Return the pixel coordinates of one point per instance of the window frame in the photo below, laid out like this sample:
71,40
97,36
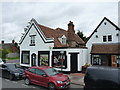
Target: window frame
32,40
109,38
63,40
104,38
42,72
32,72
56,56
28,52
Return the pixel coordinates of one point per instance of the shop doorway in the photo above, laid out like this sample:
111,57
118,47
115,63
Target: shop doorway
74,62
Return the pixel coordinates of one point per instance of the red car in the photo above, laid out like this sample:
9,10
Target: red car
47,77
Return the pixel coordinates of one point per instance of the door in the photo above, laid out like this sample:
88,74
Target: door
33,57
114,61
74,62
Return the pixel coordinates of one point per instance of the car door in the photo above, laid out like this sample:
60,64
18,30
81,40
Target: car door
31,74
41,77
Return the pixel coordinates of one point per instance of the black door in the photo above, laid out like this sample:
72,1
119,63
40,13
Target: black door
33,57
74,62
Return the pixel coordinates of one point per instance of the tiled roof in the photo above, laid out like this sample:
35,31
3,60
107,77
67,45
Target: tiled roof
113,48
58,33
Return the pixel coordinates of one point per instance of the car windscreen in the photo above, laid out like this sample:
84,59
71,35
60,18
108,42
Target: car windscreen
51,71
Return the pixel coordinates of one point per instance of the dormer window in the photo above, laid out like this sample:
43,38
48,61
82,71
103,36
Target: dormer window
32,40
63,40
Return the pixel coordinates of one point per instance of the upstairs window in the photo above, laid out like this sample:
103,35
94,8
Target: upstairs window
104,38
32,40
109,38
63,40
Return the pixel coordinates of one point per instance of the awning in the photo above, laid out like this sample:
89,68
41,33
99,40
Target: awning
113,48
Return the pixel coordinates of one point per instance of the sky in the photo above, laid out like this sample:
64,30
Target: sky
14,16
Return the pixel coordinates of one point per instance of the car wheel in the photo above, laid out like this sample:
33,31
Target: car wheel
51,86
11,77
27,81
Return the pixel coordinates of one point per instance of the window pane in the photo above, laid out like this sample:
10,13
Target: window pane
32,40
109,38
63,40
104,39
39,72
25,57
44,59
59,60
32,70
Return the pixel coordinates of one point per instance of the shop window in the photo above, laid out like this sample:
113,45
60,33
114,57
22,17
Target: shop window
96,60
118,61
44,58
59,60
25,59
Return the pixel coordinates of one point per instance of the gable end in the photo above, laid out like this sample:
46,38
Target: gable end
38,29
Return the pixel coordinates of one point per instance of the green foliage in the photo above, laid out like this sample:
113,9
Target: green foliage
4,53
81,35
9,50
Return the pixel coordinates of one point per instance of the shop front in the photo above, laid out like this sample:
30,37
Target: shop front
105,54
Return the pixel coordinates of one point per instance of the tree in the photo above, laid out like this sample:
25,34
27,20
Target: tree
81,35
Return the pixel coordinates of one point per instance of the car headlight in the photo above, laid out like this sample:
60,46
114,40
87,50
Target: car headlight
59,82
16,74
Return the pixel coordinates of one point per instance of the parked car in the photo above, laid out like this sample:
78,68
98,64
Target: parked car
47,77
102,77
1,61
11,71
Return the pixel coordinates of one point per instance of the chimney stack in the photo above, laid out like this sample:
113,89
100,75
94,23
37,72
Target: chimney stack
71,27
71,33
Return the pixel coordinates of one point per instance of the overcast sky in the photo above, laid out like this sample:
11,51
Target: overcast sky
85,16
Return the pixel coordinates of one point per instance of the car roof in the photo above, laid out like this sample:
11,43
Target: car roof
102,68
9,63
41,67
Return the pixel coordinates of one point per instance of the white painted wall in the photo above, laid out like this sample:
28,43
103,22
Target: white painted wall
107,29
39,44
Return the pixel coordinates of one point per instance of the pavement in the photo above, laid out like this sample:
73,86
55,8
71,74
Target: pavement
77,78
